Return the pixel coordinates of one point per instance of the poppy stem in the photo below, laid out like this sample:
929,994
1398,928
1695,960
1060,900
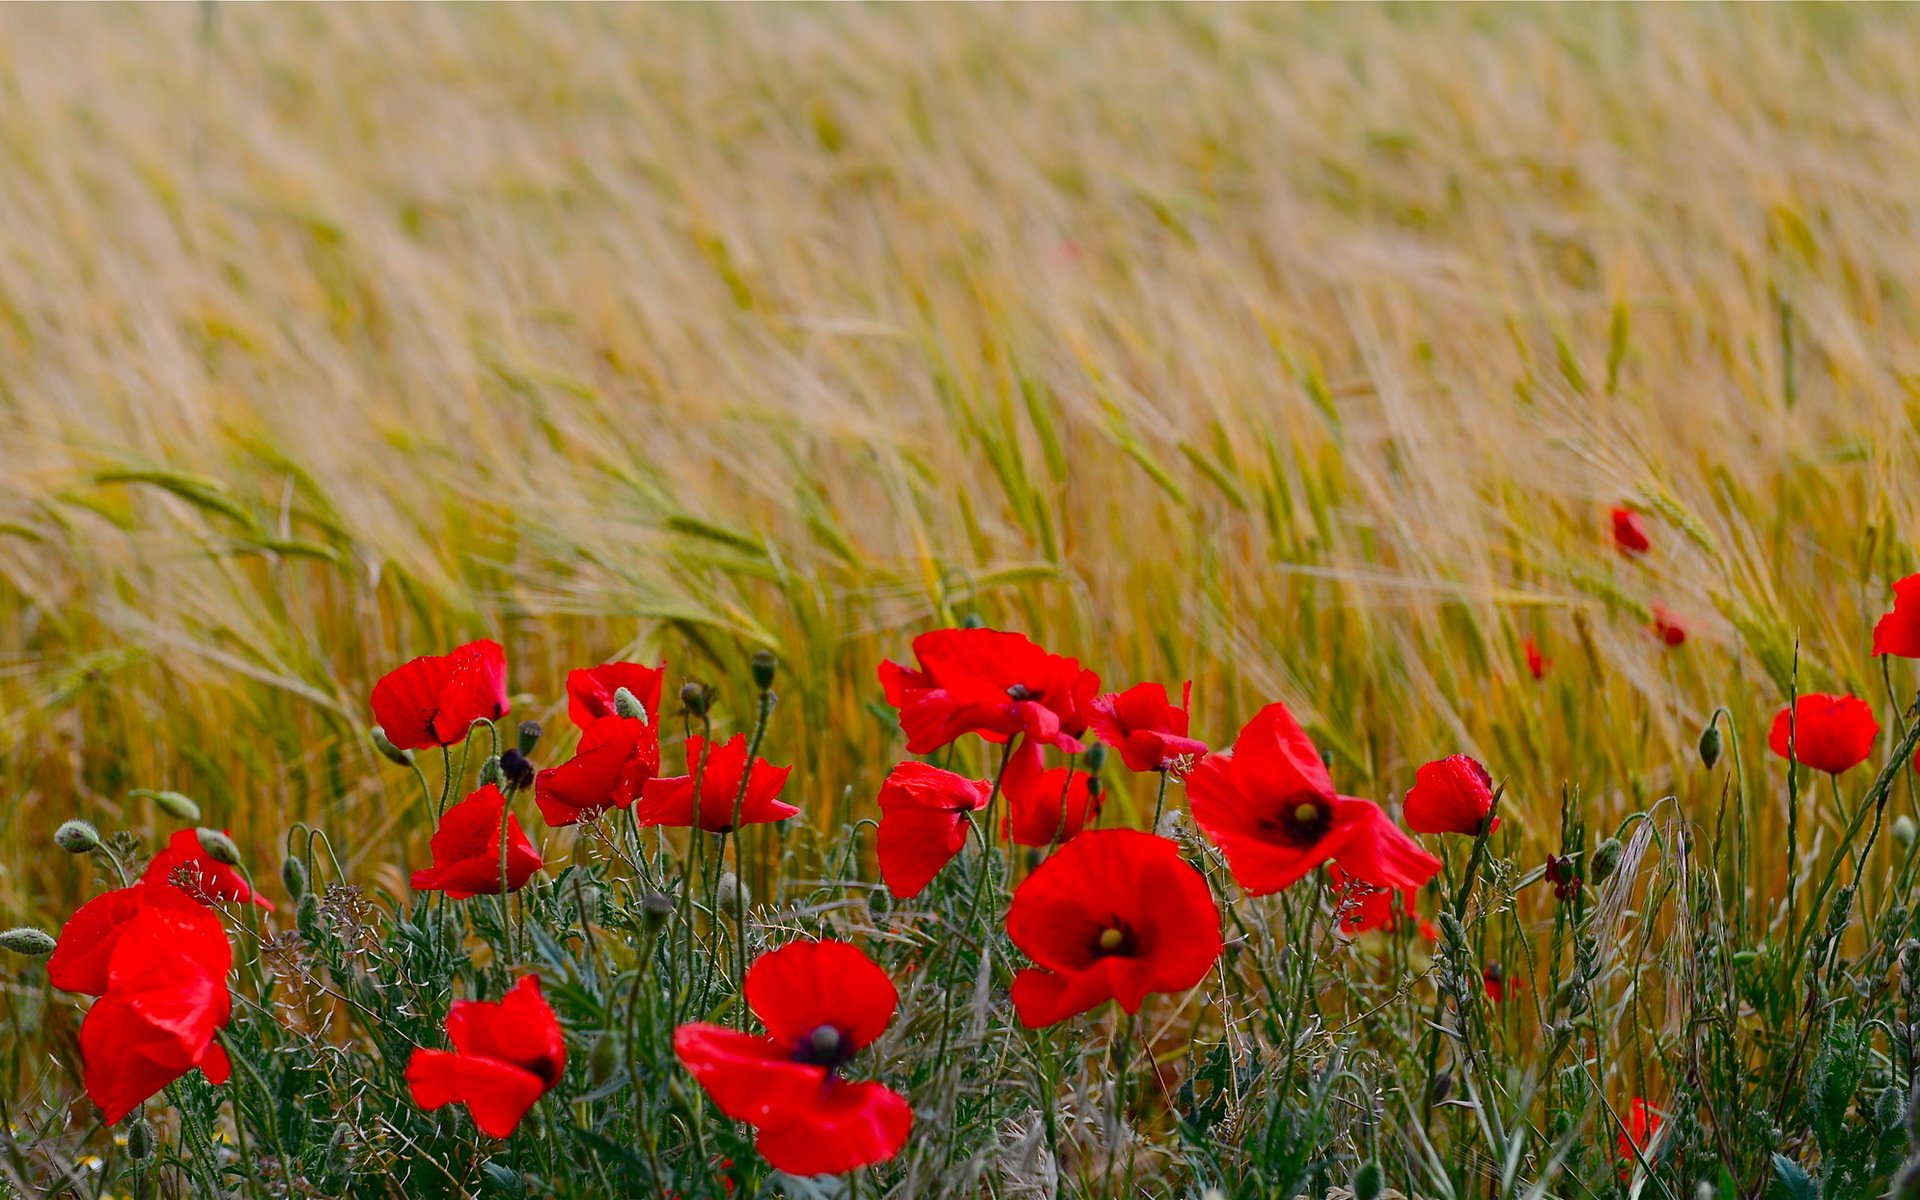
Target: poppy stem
1160,801
761,718
683,978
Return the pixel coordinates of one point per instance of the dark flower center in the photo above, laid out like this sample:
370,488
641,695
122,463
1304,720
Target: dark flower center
1021,691
825,1047
1114,940
1302,819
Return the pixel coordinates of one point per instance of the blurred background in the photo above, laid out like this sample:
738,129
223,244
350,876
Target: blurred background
1300,352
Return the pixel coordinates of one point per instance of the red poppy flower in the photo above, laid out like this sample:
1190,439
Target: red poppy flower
1898,632
158,961
1364,907
1501,987
1451,795
466,850
1537,663
1830,733
185,864
1114,915
923,823
991,683
1147,730
821,1003
1628,532
1269,804
506,1054
1045,805
617,756
1668,626
590,691
434,699
1564,876
670,801
1636,1140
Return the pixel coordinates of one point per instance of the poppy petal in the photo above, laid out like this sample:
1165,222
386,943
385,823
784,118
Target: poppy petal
850,1126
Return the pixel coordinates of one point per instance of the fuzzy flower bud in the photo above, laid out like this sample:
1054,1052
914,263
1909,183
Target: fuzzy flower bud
219,846
626,704
656,908
140,1139
34,943
1606,859
77,837
764,665
1903,830
730,893
1096,757
293,876
604,1062
693,697
393,753
490,772
1710,745
180,808
1366,1182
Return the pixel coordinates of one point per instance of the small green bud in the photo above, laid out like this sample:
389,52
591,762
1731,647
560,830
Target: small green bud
293,876
1096,757
490,772
764,665
1710,745
77,837
730,893
604,1062
34,943
1366,1182
1903,830
879,902
218,845
1606,859
181,808
140,1139
1094,787
530,732
394,754
656,908
306,917
626,704
693,698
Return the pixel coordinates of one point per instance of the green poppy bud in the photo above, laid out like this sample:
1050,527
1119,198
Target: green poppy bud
1606,859
1903,830
76,837
656,908
394,754
34,943
181,808
140,1139
879,902
1366,1182
1710,745
306,917
626,704
730,893
604,1062
293,876
490,772
1096,757
218,845
764,665
693,698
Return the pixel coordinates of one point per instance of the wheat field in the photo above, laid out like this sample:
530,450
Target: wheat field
1297,351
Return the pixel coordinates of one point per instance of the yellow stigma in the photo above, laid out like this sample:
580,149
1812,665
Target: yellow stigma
1306,814
1110,939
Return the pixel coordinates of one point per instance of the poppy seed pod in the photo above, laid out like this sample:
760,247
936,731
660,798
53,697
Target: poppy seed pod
530,732
140,1139
626,704
219,846
656,908
76,837
393,753
34,943
293,876
764,665
175,805
1710,745
693,698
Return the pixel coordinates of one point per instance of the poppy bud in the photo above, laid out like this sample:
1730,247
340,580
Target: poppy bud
175,805
1889,1109
1606,859
1705,1191
490,773
1094,787
1710,745
530,732
393,753
693,698
516,769
604,1062
293,876
1366,1182
140,1139
730,893
587,898
1442,1086
1096,757
34,943
76,837
306,917
764,665
626,704
1903,830
219,846
973,621
656,908
879,902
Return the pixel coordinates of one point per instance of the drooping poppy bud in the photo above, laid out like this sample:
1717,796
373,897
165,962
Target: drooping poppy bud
1710,745
219,846
140,1139
76,837
1606,859
393,753
293,876
34,943
175,805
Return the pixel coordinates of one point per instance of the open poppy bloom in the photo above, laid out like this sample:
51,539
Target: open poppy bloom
506,1054
1668,626
923,823
821,1003
1045,805
1501,987
670,801
590,691
1636,1140
617,756
991,683
1364,907
185,864
1898,632
1145,727
466,850
434,699
1628,532
1269,804
158,960
1114,915
1829,733
1451,795
1537,663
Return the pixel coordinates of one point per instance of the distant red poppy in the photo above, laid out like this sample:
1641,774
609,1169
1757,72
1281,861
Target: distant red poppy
617,756
466,850
1147,730
185,864
1564,874
1537,663
1830,733
506,1054
1364,907
590,691
670,801
1451,795
1501,987
991,683
1114,915
1269,804
1669,626
821,1003
159,962
1045,805
1898,633
434,699
1636,1140
923,823
1628,532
